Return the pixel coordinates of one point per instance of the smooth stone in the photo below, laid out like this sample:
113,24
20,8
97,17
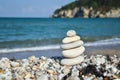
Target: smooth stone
66,70
50,71
71,33
44,77
73,78
72,61
72,45
33,58
2,71
15,64
73,52
71,39
100,60
114,70
25,62
5,63
28,75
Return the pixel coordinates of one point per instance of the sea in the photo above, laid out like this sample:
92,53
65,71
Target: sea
28,35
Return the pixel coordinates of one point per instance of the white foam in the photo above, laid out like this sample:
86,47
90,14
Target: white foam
30,49
50,47
104,42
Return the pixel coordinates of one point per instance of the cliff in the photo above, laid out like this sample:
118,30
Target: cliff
89,9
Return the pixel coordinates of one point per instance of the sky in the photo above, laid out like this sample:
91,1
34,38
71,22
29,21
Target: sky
30,8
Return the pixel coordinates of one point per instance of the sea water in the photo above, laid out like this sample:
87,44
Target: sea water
35,34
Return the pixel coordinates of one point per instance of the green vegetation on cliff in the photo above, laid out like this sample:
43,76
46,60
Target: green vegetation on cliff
101,5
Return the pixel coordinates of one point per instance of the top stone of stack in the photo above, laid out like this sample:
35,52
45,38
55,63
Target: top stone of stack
71,33
71,37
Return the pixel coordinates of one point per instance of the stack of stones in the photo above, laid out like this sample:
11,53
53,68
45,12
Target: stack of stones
72,49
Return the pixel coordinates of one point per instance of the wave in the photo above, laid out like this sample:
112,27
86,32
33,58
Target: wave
104,42
28,42
50,47
30,49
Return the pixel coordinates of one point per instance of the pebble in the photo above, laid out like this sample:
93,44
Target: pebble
15,64
72,45
71,33
73,52
70,39
87,70
5,63
44,77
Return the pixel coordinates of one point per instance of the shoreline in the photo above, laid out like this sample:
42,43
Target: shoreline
57,53
103,50
98,64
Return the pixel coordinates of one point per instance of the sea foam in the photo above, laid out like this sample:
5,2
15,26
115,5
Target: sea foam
104,42
52,47
30,49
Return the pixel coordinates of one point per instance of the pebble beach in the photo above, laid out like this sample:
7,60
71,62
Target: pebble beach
97,67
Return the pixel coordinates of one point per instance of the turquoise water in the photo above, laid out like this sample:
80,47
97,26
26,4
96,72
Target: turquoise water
37,33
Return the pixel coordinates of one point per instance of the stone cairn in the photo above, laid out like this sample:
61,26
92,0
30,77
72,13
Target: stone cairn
72,49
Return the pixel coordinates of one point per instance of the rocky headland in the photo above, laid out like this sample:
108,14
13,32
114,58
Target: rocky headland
89,9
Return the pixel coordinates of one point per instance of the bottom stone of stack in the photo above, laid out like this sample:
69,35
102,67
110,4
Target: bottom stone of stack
72,61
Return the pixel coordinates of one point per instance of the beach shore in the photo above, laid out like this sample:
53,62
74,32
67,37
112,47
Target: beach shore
103,50
56,53
100,63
